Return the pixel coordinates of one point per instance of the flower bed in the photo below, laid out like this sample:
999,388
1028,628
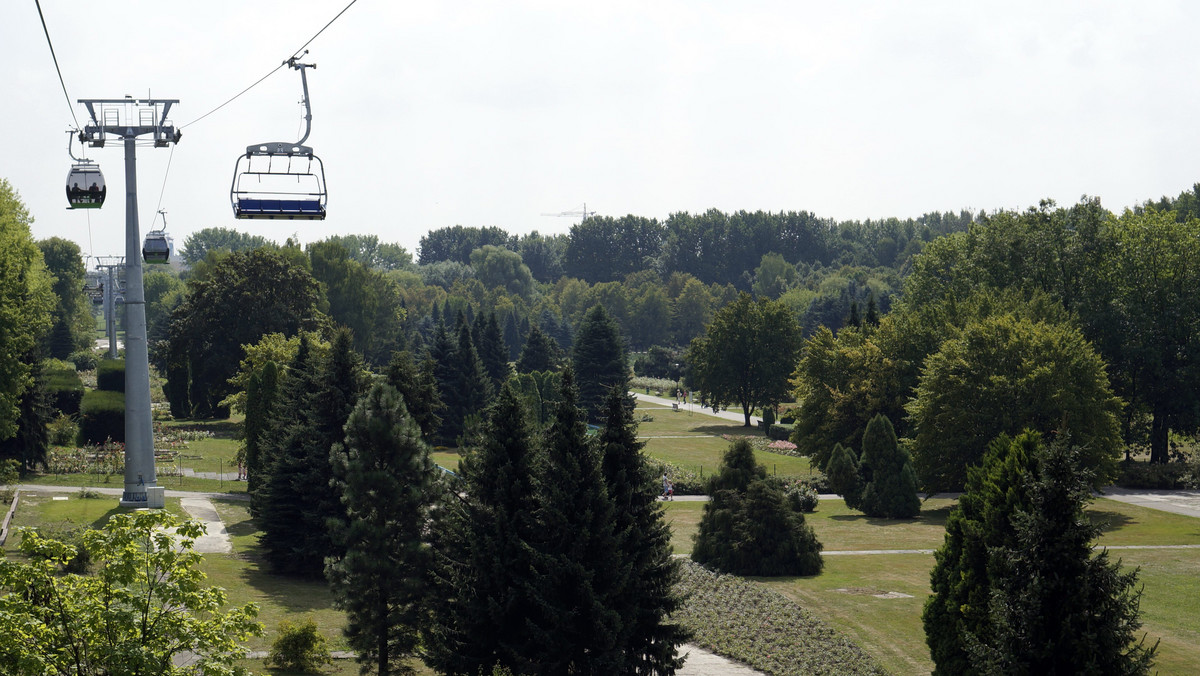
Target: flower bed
739,619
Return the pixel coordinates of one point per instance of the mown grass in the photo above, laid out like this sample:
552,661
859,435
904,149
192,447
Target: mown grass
40,510
171,483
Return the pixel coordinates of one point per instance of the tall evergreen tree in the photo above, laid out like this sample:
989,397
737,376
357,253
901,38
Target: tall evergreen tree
647,597
575,627
540,353
386,480
961,577
512,336
484,583
262,393
599,361
842,472
469,389
1057,607
418,386
891,492
489,343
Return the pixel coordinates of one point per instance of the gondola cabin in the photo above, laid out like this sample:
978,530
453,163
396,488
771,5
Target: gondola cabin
156,248
85,186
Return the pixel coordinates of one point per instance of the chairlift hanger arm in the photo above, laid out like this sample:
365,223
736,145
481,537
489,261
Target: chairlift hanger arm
293,63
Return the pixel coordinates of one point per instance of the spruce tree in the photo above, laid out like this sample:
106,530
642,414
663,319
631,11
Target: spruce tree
386,481
540,353
484,583
842,472
979,524
512,337
891,492
418,386
576,626
1057,607
470,388
599,361
441,351
872,316
646,598
492,351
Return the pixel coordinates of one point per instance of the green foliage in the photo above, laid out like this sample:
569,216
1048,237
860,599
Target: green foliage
66,389
110,375
843,474
198,245
750,527
262,396
417,385
146,603
802,498
102,417
746,355
1171,476
500,267
977,527
891,491
1003,375
493,354
386,480
774,276
63,430
360,298
299,648
84,360
368,250
72,317
540,352
598,360
1058,607
26,302
456,243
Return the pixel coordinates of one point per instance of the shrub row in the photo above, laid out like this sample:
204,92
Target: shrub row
102,417
110,375
66,389
1172,475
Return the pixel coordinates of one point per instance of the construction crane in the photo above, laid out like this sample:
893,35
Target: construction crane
582,212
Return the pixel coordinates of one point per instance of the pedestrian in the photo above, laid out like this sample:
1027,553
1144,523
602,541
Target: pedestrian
666,485
670,491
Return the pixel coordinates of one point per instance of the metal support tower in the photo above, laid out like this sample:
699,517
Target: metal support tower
127,119
110,264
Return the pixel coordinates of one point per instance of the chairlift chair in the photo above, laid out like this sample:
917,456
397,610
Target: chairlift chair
281,180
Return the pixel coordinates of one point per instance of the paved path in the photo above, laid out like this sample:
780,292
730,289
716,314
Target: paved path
215,539
1176,502
701,662
735,416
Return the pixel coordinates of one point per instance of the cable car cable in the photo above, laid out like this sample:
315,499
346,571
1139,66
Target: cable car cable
165,174
55,57
273,70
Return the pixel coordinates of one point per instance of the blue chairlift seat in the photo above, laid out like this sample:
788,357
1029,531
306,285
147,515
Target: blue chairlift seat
303,209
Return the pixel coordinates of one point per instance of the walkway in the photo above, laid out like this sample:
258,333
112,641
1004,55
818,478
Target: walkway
1186,503
734,415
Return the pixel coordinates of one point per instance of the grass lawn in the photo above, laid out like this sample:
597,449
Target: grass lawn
171,483
41,510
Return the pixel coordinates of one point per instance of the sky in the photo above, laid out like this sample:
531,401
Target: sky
430,115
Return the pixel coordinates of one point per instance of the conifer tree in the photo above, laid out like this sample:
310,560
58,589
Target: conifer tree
441,351
749,527
262,393
386,479
469,390
418,386
647,597
540,353
891,492
489,343
484,584
576,626
872,315
961,576
599,361
842,472
1057,607
512,337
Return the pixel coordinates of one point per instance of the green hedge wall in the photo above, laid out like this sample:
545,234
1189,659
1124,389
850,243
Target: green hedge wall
102,417
66,389
110,375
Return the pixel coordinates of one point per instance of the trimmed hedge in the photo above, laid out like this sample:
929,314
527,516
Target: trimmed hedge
102,417
110,375
780,432
1169,476
65,388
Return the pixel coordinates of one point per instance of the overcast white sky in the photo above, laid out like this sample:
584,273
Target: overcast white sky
485,113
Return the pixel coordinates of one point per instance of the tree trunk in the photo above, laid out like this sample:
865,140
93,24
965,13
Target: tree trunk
746,412
383,642
1158,438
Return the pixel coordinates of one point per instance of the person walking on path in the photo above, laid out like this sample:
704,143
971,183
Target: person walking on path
666,485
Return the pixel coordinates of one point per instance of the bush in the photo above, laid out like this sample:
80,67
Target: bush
102,417
110,375
1169,476
63,430
768,416
300,648
802,498
84,360
780,432
686,481
65,388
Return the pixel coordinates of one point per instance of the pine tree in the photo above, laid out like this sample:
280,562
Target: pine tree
1056,607
540,353
386,479
418,387
441,351
484,583
647,596
512,337
492,351
842,472
749,527
575,627
599,361
262,393
981,522
872,316
891,492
